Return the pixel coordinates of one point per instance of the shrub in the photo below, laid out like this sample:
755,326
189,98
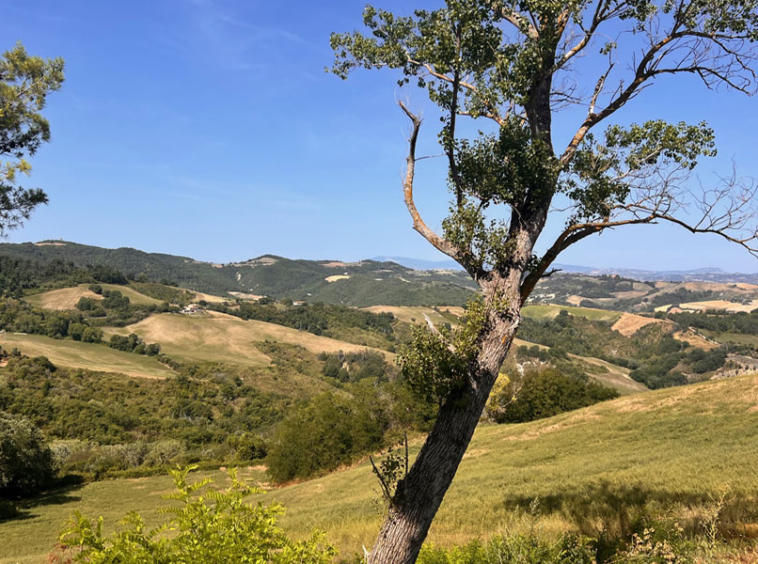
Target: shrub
208,526
543,394
519,549
26,461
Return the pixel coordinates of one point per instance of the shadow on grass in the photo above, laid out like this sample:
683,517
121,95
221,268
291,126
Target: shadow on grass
61,493
617,510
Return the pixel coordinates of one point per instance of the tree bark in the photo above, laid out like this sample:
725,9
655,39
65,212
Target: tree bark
420,494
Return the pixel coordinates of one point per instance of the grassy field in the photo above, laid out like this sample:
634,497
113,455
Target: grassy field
66,298
73,354
29,539
549,311
611,375
671,449
224,338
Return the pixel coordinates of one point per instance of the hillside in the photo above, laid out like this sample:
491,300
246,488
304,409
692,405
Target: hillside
579,465
675,449
364,283
217,337
614,292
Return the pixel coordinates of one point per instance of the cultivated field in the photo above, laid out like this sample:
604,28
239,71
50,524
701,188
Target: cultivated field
549,311
628,324
675,449
66,298
73,354
217,337
415,314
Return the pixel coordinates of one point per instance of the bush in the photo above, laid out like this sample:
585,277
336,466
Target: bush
544,394
330,431
26,461
208,526
520,549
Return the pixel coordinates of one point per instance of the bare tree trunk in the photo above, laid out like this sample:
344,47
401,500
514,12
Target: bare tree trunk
420,494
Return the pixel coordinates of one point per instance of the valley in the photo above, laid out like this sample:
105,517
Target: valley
129,375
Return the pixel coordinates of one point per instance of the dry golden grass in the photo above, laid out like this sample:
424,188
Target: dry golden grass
63,299
628,324
224,338
211,299
414,314
99,358
695,339
720,304
66,298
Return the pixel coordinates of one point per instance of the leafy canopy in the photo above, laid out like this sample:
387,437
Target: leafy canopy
512,65
25,82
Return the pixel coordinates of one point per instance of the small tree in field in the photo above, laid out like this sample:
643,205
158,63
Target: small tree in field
507,65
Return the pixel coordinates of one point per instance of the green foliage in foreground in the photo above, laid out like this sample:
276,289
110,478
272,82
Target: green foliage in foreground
208,526
664,545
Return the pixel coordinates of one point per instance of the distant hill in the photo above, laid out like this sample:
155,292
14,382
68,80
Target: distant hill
708,274
363,283
420,264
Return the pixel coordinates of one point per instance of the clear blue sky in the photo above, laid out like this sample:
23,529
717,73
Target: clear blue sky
208,128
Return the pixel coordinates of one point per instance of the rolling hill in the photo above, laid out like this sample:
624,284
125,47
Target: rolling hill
674,450
363,283
216,337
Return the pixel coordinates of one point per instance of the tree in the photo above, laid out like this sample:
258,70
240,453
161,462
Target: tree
510,67
26,462
25,82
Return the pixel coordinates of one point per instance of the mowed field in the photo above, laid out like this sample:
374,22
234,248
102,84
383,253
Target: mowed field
550,311
66,298
415,314
217,337
73,354
675,449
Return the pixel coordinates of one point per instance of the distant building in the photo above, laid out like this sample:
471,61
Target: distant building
192,309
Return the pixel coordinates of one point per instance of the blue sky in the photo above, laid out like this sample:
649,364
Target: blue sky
208,128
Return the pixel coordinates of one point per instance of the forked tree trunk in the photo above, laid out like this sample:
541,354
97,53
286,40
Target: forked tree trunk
420,494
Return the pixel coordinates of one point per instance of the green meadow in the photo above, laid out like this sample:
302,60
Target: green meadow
675,451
